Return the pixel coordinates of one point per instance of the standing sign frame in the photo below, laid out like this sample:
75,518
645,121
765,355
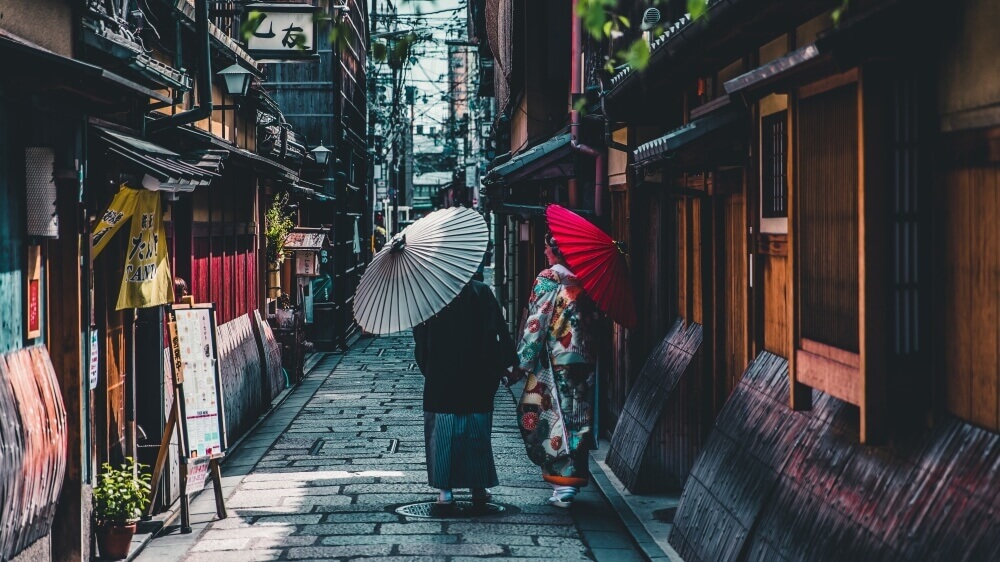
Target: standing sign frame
194,359
194,349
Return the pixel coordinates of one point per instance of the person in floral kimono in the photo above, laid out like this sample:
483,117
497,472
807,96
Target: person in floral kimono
556,408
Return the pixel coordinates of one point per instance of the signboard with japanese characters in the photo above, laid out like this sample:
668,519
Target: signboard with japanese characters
196,372
281,32
307,263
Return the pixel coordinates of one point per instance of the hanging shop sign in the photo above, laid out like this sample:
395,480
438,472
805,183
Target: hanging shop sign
147,281
33,325
281,32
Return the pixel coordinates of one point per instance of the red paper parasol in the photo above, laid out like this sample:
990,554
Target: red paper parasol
598,261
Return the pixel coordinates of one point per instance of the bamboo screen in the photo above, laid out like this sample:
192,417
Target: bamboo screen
827,218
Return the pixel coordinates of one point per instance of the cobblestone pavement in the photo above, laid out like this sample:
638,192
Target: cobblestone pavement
322,476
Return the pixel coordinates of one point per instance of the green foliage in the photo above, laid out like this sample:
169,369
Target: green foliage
379,51
277,224
341,34
601,21
697,8
253,21
595,14
637,55
120,497
839,11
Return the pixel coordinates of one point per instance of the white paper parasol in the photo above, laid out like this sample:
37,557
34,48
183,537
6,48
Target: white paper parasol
421,270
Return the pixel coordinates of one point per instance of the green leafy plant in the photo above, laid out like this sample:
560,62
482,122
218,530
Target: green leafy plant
277,224
601,20
120,497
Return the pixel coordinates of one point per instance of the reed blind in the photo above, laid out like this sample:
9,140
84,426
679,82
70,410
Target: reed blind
827,218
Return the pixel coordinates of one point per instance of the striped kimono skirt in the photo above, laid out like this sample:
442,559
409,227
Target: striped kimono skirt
459,451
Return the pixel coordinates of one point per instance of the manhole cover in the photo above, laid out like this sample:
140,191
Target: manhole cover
457,509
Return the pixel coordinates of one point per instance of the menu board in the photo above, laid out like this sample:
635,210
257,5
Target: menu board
196,370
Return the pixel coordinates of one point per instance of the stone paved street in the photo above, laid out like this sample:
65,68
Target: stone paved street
322,476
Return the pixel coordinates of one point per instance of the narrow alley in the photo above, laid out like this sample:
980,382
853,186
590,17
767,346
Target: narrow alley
322,476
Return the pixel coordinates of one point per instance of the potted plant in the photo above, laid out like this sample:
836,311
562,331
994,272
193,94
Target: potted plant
119,500
277,224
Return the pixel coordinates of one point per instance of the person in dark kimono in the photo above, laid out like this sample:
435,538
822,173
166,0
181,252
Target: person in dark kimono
463,352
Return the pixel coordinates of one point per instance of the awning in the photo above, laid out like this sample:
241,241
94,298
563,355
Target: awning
667,145
168,169
310,191
774,71
265,166
39,69
551,159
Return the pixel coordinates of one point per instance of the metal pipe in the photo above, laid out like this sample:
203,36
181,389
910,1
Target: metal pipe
600,162
204,108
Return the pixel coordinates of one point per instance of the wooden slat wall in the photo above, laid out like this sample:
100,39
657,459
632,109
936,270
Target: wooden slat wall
270,357
971,294
696,279
734,346
826,211
616,380
683,264
240,362
776,484
32,448
659,432
224,268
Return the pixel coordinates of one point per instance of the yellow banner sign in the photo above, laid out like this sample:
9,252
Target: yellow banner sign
119,212
147,281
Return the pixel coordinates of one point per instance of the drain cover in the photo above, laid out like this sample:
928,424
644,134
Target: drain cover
457,510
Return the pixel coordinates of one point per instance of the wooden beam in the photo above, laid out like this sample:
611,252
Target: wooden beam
799,395
71,527
874,253
829,376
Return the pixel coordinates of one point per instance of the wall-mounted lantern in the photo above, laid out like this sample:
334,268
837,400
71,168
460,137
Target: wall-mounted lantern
237,80
321,154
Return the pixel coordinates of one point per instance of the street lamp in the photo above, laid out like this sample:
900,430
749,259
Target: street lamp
237,79
321,154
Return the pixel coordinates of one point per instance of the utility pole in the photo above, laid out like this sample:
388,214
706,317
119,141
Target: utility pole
372,98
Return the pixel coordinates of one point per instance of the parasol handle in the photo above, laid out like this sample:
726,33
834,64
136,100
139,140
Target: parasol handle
398,243
622,247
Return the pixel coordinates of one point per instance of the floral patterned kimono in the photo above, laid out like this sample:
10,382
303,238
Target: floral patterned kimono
556,409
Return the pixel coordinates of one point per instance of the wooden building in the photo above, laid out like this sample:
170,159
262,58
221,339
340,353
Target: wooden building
325,101
94,98
807,201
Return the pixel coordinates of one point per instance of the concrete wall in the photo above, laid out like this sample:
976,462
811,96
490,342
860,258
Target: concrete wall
970,71
48,23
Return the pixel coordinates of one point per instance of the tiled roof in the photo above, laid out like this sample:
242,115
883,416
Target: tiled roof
669,34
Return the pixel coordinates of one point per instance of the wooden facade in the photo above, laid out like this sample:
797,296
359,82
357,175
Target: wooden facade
326,103
818,199
66,87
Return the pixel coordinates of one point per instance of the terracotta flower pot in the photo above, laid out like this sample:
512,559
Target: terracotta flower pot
114,541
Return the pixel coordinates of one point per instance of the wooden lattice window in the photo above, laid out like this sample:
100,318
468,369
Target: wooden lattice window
774,166
827,218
